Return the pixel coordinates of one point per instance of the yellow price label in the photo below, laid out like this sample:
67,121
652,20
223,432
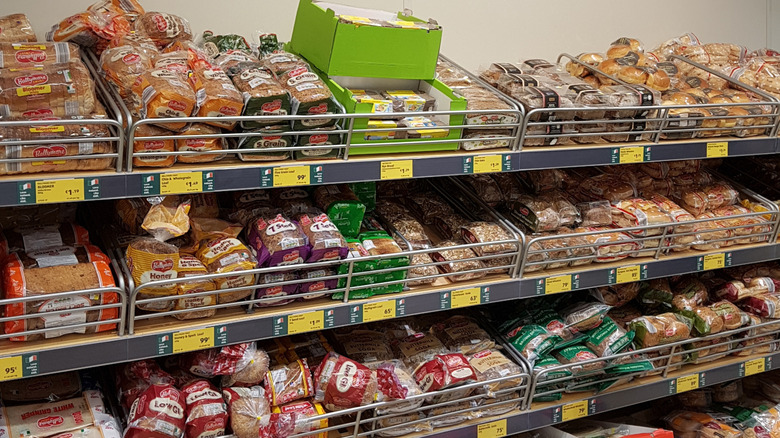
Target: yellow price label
60,190
554,285
754,366
632,155
573,411
495,429
466,297
627,274
379,311
487,163
687,383
11,368
192,340
305,322
396,169
181,182
292,176
714,261
718,149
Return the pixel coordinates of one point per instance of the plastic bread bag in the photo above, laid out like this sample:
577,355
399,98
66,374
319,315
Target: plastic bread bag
584,316
765,305
462,334
282,293
608,187
228,254
688,293
610,244
733,317
608,339
500,405
661,329
638,212
412,232
220,361
287,383
200,144
710,235
365,346
341,383
689,424
747,227
324,239
402,424
277,241
697,200
417,271
578,353
122,65
205,409
492,364
455,263
736,290
532,341
495,71
536,214
250,417
417,348
617,295
680,216
445,371
163,93
760,345
486,188
485,232
302,411
395,383
595,213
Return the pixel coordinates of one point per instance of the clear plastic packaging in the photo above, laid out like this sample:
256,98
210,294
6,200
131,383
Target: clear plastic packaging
454,264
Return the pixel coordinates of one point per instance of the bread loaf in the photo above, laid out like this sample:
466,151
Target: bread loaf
190,266
16,28
152,260
20,282
161,146
217,96
162,28
200,144
163,93
123,64
21,55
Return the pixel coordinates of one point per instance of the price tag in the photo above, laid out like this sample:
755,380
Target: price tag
379,311
305,322
627,274
466,297
396,169
60,190
487,163
292,176
755,366
632,155
573,411
554,285
181,182
495,429
718,149
687,383
713,261
11,368
192,340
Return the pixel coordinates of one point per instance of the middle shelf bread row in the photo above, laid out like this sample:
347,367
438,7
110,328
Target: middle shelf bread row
201,256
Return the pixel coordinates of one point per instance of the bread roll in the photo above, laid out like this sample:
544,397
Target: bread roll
634,44
618,51
633,75
658,80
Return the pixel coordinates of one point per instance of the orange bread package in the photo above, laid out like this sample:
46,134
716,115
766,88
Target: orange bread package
163,93
217,96
153,145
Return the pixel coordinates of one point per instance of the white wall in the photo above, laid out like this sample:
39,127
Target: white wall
479,32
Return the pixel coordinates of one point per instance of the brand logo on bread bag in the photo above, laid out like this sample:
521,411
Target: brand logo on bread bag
228,111
319,109
167,406
45,423
38,114
318,139
176,105
346,375
30,80
195,142
162,266
26,56
131,58
669,332
320,285
153,145
291,257
272,142
218,423
49,151
584,355
274,105
160,22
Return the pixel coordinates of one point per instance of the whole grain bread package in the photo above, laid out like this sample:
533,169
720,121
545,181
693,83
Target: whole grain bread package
16,28
325,240
309,96
153,145
21,282
463,335
163,28
251,417
22,55
262,94
342,383
163,93
277,241
217,96
159,412
37,419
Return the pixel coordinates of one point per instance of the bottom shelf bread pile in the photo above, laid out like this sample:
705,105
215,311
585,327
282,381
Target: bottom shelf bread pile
591,342
388,379
745,408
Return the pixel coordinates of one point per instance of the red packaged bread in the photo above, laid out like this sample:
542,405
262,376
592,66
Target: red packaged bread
205,409
157,413
342,383
19,282
221,361
445,371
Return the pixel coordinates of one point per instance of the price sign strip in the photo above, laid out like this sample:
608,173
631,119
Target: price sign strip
396,169
557,284
58,190
291,176
377,311
718,149
304,322
687,383
17,367
627,274
494,429
713,261
631,154
191,340
574,411
464,298
487,164
177,182
755,366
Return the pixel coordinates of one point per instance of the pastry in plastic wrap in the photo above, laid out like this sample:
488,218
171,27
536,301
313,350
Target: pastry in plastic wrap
455,262
492,364
342,383
678,215
700,199
636,212
659,330
485,232
619,294
610,244
710,234
463,335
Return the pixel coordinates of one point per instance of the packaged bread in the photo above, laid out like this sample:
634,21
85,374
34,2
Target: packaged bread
29,238
200,144
277,241
216,95
342,383
324,239
619,294
301,411
445,371
64,90
137,40
288,383
280,62
262,93
608,187
463,335
228,254
394,383
688,423
190,266
152,145
16,28
610,245
76,29
697,200
456,262
710,234
21,283
175,60
492,364
577,353
162,93
123,64
484,232
765,305
660,329
163,28
637,212
22,55
265,138
679,216
86,144
584,316
417,348
309,96
280,293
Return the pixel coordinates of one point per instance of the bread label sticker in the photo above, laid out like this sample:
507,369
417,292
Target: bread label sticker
574,411
494,429
718,149
396,169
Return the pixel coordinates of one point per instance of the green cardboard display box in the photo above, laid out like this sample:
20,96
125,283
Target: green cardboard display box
343,49
445,100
